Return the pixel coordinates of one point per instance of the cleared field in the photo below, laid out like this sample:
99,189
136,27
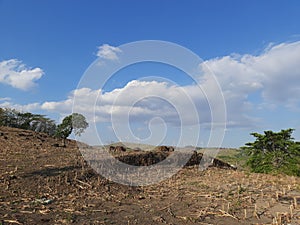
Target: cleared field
41,183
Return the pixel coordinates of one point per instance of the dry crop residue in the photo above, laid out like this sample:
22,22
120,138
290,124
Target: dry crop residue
42,183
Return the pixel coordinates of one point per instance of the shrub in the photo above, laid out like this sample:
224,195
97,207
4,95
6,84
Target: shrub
274,152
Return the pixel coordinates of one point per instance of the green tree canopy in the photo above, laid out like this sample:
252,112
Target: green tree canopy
75,122
274,152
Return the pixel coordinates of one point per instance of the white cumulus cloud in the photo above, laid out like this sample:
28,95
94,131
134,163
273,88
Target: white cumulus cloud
140,100
106,51
14,73
274,74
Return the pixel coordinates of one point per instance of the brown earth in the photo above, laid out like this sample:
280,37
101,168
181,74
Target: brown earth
42,183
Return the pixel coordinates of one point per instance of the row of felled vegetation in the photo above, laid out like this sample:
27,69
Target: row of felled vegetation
271,152
40,123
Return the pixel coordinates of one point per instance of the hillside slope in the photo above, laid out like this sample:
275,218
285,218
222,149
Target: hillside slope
41,183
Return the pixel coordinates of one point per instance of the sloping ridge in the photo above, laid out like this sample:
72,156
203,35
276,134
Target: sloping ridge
14,140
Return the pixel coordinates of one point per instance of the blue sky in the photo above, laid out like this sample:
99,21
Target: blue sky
251,46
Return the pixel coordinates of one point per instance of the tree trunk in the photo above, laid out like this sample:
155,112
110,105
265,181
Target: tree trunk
64,142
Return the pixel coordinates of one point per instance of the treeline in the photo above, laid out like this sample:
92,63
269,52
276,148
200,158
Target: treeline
40,123
26,120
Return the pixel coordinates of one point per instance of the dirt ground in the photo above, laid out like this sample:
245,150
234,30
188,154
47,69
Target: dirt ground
42,183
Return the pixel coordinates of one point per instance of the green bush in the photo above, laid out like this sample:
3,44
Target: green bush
274,152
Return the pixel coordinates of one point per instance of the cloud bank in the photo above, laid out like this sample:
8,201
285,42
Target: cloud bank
275,73
249,83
